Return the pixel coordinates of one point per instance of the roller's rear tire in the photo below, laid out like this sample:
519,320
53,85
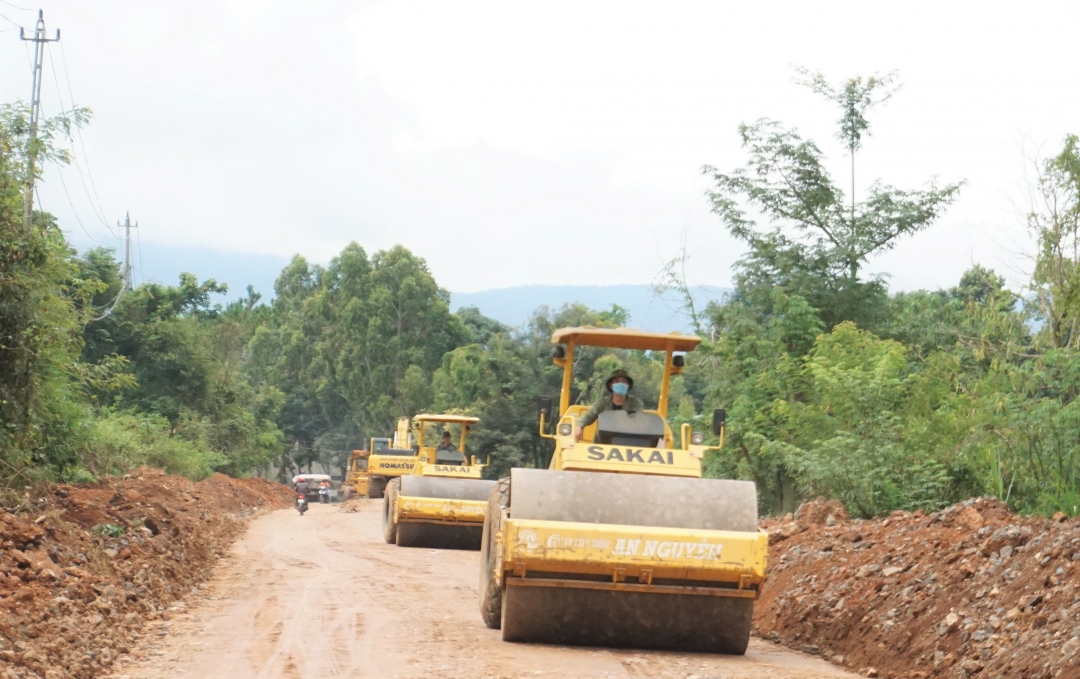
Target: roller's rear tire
389,523
490,587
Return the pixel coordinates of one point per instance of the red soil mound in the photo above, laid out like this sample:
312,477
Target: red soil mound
971,590
83,567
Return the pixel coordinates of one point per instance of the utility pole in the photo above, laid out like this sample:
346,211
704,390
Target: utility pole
127,226
39,41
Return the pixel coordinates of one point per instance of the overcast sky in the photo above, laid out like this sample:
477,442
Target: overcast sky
518,143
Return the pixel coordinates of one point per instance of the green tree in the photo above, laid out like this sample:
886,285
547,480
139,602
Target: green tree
817,246
1054,221
40,294
352,347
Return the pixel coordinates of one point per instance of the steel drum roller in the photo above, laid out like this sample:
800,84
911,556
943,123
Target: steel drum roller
596,617
442,536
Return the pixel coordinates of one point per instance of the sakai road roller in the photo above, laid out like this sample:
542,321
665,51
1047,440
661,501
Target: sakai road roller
443,501
620,542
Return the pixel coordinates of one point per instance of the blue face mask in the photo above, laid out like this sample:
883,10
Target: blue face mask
620,388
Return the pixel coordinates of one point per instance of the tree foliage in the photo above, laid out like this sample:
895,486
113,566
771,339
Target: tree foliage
815,245
352,347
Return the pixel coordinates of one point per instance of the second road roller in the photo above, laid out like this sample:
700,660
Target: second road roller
442,503
621,542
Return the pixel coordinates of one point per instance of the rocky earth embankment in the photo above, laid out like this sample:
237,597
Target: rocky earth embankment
972,590
84,568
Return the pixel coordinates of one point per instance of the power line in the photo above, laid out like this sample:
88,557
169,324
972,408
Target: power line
73,210
75,159
125,285
59,167
100,210
25,9
10,22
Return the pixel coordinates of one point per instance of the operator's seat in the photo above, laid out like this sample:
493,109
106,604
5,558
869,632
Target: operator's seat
449,457
620,428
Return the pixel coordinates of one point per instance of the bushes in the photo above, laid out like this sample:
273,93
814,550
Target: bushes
122,441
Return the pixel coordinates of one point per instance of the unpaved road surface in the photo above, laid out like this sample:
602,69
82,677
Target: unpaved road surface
323,596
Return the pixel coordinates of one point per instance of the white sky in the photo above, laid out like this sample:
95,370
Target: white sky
515,143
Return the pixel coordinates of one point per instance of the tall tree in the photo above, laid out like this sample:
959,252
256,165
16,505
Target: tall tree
353,347
1054,222
40,298
818,242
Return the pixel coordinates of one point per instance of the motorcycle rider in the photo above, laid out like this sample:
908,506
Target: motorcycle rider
302,486
324,491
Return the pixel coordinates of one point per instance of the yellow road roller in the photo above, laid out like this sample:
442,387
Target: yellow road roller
442,503
620,542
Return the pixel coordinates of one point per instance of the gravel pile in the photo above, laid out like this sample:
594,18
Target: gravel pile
972,590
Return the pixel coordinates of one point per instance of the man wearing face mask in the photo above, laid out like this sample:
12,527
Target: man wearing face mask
617,398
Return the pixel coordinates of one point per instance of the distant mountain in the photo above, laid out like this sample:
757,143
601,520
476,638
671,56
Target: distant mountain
513,306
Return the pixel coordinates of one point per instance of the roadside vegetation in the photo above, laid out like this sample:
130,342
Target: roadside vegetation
833,385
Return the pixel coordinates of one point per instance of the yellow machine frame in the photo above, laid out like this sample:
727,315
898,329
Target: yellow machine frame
560,553
366,467
356,479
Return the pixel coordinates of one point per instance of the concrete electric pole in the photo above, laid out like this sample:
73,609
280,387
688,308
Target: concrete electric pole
39,39
127,226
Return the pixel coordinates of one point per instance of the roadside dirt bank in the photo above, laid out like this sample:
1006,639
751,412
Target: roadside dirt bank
972,590
83,569
323,596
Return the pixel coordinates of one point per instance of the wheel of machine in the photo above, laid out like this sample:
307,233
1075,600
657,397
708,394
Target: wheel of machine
490,587
598,617
389,524
376,486
346,494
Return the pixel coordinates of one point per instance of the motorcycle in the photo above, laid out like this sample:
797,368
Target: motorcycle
301,504
324,495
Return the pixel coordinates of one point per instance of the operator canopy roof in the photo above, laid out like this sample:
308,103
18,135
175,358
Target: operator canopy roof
625,338
311,477
449,419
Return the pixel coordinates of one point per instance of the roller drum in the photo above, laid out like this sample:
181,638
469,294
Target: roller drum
445,488
596,617
442,536
633,500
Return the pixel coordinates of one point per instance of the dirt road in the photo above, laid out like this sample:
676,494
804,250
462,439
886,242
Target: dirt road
323,596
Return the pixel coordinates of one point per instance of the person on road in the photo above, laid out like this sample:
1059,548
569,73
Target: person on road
617,398
302,486
446,443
